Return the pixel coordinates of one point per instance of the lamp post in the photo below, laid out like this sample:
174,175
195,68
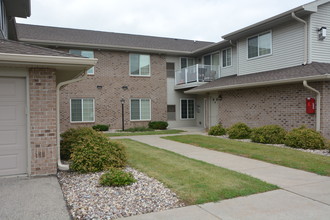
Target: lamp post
122,101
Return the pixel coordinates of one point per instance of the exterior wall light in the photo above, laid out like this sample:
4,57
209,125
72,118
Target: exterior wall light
322,33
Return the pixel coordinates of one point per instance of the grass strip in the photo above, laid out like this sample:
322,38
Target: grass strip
195,182
117,134
282,156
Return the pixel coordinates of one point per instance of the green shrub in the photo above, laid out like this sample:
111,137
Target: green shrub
116,177
138,129
72,136
217,130
239,131
159,125
305,138
269,134
101,127
93,152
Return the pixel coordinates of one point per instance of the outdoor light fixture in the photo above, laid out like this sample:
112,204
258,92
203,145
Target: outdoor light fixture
322,33
219,98
122,101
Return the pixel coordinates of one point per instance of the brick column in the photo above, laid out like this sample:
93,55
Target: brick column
42,84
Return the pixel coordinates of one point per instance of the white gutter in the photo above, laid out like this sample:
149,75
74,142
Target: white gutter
58,87
305,36
256,84
318,105
47,60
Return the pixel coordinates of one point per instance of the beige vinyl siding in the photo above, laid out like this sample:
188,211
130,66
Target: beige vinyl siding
230,70
320,48
287,50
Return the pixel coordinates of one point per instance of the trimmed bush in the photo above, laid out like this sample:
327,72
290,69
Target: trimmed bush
72,136
217,130
138,129
116,177
305,138
158,125
269,134
239,131
94,154
101,127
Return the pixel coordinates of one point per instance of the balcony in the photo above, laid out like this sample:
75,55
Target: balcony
195,75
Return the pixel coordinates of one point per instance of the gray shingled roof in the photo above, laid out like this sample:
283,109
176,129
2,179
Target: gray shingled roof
14,47
309,70
77,36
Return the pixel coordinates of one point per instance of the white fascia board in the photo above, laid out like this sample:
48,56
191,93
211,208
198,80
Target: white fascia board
46,60
258,84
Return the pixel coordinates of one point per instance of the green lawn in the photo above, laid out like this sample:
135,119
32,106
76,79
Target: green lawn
286,157
158,132
195,182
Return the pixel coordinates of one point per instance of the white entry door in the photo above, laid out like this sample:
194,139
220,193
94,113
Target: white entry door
214,108
13,143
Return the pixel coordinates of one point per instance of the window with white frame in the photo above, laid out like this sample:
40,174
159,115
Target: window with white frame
82,110
187,108
226,57
186,62
260,45
140,109
139,64
84,53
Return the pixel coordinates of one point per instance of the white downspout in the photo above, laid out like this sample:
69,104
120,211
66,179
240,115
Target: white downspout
59,163
305,37
318,105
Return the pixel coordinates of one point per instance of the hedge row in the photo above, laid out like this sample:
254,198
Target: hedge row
301,137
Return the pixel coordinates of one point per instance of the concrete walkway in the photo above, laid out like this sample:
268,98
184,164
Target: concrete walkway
32,198
303,195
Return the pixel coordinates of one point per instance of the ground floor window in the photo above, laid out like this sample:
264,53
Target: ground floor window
82,110
187,108
140,109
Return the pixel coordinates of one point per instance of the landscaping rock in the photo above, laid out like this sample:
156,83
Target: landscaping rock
87,199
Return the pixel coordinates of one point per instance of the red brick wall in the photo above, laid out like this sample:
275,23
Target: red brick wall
112,72
42,84
283,105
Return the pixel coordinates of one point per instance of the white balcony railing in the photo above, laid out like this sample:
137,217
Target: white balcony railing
196,73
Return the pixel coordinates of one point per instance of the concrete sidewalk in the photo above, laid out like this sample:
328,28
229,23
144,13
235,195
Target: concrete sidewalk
303,195
32,198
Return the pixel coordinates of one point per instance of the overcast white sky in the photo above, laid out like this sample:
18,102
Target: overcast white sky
204,20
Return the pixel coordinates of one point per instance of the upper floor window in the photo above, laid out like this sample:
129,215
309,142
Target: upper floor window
82,110
3,22
139,65
260,45
185,62
226,57
85,53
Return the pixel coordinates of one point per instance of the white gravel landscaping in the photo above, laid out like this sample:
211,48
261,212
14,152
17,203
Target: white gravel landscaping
87,199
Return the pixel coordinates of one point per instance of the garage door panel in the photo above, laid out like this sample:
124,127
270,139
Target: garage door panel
12,89
13,136
12,113
13,146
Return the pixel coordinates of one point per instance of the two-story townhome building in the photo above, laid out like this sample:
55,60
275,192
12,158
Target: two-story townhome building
259,75
30,79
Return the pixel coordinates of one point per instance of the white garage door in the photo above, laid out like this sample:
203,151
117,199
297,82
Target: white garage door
13,148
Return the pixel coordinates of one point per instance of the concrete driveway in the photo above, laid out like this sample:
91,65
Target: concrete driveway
32,198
